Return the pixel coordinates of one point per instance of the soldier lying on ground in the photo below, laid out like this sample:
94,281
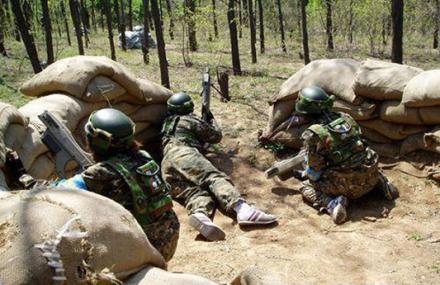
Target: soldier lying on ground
129,176
194,181
339,165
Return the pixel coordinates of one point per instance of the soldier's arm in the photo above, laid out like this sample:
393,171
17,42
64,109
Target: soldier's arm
101,179
209,133
315,161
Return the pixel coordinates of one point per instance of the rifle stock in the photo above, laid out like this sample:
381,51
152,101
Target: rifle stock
206,97
287,168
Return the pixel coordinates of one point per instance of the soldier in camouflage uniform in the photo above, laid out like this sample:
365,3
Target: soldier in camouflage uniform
339,165
194,181
129,176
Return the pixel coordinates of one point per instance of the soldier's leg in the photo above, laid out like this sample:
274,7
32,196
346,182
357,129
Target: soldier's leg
386,187
315,197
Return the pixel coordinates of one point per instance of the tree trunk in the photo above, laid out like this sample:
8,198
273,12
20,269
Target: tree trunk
85,25
28,39
123,42
280,18
397,15
74,10
305,36
191,6
329,25
130,15
170,14
94,17
350,23
119,23
240,32
261,20
101,18
244,11
160,44
13,21
66,23
2,30
252,31
214,19
108,16
145,44
234,40
48,31
436,24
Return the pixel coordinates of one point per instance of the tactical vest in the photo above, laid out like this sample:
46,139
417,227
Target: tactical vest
170,130
149,192
341,138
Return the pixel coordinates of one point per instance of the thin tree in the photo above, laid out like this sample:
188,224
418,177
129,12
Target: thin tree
101,16
252,30
305,36
66,23
214,19
190,9
118,21
436,23
48,31
145,44
160,44
351,22
28,39
170,14
244,11
123,24
397,16
2,30
94,16
85,23
240,17
261,20
108,16
130,15
329,25
280,18
74,11
234,40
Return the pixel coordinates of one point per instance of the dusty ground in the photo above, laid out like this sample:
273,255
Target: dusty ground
382,243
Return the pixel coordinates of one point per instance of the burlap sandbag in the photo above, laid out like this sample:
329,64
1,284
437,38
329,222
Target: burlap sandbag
154,93
127,108
32,147
380,80
93,232
429,141
154,113
150,134
336,76
257,276
43,167
102,88
396,112
69,110
290,137
3,184
364,111
14,136
392,130
391,150
156,276
423,90
374,136
278,113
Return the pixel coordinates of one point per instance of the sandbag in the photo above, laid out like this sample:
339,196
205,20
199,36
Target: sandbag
380,80
157,276
154,113
32,147
364,111
290,137
374,136
154,93
89,231
429,141
336,76
278,113
127,108
148,135
102,88
14,136
392,130
69,110
257,276
386,149
423,90
43,167
394,111
3,184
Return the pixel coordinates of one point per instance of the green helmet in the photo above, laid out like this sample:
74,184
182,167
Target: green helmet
313,100
180,104
109,130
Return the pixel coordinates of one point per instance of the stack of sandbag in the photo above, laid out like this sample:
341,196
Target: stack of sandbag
72,89
65,236
397,106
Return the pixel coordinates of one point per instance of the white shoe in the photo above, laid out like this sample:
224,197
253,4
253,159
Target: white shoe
254,216
206,227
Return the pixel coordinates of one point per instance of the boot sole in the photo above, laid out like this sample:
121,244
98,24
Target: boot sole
341,215
211,232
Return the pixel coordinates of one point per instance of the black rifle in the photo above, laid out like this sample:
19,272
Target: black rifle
206,97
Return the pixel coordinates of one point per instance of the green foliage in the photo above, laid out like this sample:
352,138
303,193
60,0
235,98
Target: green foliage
274,147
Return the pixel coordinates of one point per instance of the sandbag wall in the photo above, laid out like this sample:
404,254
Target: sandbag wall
397,106
72,89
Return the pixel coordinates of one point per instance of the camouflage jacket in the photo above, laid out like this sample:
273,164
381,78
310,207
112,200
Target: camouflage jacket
189,130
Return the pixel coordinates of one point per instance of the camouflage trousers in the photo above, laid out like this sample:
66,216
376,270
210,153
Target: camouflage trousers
196,183
351,183
163,234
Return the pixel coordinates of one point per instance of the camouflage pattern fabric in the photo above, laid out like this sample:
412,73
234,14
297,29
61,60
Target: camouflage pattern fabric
352,178
194,181
163,232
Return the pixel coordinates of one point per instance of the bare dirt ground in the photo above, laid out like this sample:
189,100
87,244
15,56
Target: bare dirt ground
382,243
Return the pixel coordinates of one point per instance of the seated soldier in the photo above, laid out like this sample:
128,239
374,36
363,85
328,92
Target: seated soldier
129,176
194,181
339,165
